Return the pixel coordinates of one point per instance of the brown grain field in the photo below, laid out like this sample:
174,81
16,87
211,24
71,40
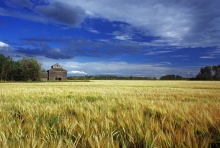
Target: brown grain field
110,114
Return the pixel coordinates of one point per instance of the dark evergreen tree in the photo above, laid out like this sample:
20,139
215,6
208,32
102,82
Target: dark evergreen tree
216,71
5,67
171,77
2,66
205,73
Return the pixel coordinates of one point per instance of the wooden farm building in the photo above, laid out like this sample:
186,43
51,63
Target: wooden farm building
55,73
44,76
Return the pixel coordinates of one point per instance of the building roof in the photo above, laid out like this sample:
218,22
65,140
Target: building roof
57,65
57,69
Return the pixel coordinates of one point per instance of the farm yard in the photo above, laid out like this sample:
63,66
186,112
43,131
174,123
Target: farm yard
109,114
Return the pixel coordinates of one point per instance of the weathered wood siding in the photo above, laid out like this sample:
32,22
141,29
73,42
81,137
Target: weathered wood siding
57,74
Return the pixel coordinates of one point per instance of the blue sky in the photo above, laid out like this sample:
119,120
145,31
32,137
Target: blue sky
117,37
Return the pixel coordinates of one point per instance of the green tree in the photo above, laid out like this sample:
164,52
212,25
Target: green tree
8,67
15,71
171,77
5,67
29,69
2,66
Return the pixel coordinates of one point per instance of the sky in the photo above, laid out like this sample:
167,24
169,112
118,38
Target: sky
113,37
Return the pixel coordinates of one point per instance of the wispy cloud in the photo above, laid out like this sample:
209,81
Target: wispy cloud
74,48
166,63
180,56
207,57
215,53
157,52
94,31
44,50
37,39
123,37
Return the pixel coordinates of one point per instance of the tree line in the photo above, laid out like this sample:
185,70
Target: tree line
29,69
209,73
205,73
25,69
109,77
172,77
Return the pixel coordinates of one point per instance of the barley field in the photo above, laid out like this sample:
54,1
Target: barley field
110,114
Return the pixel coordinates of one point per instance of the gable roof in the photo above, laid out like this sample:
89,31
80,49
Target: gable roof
57,65
57,69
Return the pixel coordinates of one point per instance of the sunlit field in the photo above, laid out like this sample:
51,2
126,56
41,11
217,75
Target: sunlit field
110,114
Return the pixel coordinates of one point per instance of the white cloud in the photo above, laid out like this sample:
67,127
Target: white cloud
212,54
2,44
103,40
156,52
77,72
4,48
94,31
166,63
206,57
123,37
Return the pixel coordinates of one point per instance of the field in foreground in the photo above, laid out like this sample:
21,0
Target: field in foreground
110,114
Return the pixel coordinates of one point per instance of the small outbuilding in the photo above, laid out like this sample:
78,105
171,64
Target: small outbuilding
44,76
57,73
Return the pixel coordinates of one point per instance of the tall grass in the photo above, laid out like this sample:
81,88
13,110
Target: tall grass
110,114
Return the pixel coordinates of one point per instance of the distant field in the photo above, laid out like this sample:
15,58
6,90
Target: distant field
109,114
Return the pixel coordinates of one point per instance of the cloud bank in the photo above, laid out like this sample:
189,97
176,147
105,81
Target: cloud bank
62,13
23,3
187,23
42,11
73,48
